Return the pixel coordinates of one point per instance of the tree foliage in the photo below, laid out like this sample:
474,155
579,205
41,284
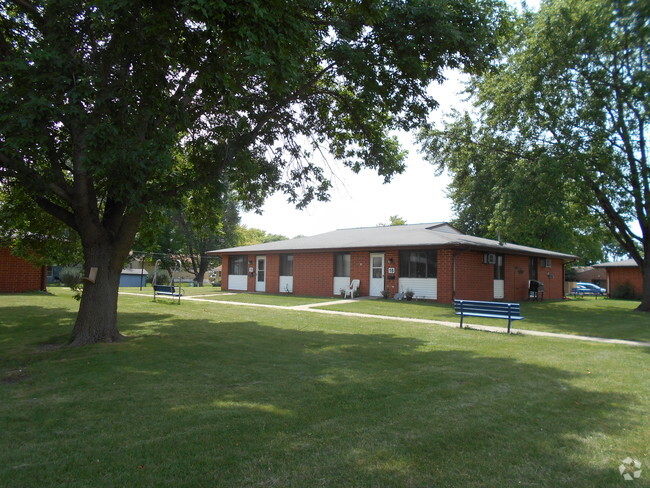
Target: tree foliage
245,236
503,188
188,231
561,127
100,102
393,220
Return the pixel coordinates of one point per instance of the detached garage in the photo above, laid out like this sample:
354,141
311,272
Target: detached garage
434,261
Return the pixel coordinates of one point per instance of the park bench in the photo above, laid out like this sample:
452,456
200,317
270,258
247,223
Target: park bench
492,310
166,290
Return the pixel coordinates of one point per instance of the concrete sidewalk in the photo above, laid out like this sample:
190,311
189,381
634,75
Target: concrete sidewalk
500,330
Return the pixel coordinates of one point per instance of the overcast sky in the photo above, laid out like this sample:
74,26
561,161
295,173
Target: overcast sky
362,200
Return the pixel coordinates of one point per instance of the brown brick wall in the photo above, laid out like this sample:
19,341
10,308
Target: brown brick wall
224,272
18,275
391,282
313,274
360,270
474,280
517,277
273,273
620,276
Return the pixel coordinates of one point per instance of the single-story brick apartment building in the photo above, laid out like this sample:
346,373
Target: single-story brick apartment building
621,273
435,261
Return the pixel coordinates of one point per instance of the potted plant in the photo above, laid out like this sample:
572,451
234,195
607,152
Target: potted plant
384,293
409,295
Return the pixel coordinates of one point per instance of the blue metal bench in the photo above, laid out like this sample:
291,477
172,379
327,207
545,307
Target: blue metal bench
491,310
166,290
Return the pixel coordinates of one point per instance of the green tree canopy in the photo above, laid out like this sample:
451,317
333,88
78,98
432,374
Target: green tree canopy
188,231
246,236
101,100
503,188
393,220
561,125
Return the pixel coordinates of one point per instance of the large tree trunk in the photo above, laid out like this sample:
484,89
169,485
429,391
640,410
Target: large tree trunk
97,317
107,251
203,268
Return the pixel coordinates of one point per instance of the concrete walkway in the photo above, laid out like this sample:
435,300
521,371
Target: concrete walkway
312,307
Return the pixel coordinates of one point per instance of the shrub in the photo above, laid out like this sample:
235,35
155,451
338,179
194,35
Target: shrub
162,277
71,277
625,292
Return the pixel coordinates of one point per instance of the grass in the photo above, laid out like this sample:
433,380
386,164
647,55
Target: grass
215,293
209,395
614,319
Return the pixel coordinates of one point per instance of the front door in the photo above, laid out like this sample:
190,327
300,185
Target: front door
376,274
260,276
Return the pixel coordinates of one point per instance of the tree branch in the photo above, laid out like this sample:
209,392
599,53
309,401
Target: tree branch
57,211
34,180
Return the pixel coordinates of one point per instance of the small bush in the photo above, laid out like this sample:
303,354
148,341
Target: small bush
162,277
71,277
625,292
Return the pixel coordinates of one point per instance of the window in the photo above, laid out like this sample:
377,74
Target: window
499,268
342,264
286,265
533,269
418,264
237,265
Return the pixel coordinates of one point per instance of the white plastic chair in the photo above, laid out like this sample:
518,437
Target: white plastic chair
354,286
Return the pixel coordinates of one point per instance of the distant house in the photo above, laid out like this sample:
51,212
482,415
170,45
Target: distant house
53,274
133,277
18,275
435,261
216,274
590,274
623,273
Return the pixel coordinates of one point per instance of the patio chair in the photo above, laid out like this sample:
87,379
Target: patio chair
354,285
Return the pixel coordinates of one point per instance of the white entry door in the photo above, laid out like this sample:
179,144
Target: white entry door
260,275
376,274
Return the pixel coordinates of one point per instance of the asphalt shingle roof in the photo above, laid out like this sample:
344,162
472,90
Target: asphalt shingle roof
398,236
628,263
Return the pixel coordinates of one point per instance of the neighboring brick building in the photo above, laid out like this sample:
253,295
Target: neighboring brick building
590,274
435,261
623,273
18,275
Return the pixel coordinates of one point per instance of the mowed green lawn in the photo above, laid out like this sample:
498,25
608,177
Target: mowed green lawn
216,395
596,317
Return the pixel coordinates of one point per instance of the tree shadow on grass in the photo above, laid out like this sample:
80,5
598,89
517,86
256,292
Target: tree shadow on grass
211,403
45,328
